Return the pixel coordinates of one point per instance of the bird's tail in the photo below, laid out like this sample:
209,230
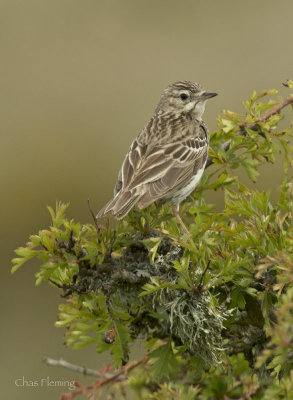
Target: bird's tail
120,205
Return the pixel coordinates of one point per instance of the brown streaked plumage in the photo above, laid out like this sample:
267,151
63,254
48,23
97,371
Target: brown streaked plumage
167,158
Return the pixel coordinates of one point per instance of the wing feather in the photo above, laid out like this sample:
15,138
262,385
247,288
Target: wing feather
152,173
172,163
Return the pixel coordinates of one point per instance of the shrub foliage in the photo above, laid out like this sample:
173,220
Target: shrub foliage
214,310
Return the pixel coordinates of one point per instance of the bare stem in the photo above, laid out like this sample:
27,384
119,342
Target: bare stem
106,377
277,108
93,215
77,368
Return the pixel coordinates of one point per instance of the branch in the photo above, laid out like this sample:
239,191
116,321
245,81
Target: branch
276,109
93,215
109,378
119,376
77,368
265,116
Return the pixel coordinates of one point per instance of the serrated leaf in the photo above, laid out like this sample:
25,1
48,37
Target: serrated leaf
165,361
250,166
149,288
120,346
228,125
58,215
238,299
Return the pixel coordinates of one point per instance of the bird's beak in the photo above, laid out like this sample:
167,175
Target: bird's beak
207,95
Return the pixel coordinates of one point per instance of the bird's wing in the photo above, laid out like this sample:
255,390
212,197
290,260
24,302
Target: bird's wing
131,165
165,167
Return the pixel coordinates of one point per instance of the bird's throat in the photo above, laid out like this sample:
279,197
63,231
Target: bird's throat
198,110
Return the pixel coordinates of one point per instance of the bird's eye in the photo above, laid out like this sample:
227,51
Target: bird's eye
183,96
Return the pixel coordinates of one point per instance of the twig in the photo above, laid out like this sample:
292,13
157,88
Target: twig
77,368
93,215
277,108
265,116
127,368
55,284
109,378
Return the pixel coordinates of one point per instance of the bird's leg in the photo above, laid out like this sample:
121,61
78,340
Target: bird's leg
175,210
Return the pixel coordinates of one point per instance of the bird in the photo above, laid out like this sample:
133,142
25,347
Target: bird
167,158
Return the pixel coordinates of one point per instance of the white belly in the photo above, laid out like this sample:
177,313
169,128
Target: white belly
185,191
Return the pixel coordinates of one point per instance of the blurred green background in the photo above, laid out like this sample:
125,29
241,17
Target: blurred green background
78,80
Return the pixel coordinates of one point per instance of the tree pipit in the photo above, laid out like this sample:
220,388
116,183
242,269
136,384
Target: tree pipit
167,159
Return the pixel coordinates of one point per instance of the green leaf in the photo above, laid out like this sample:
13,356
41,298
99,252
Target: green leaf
120,346
25,254
164,361
237,299
228,125
58,216
157,285
250,166
152,244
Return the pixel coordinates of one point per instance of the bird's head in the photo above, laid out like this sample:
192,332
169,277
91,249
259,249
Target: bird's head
186,97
